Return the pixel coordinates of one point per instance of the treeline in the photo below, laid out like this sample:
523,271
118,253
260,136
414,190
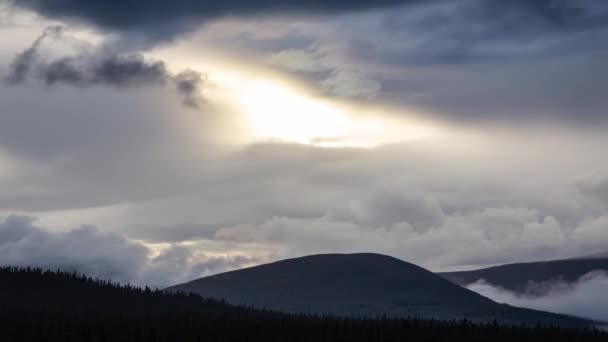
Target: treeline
37,305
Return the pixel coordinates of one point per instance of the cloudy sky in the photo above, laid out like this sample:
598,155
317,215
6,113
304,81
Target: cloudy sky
159,141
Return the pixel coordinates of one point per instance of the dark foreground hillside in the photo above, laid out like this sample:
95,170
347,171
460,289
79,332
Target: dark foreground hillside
52,306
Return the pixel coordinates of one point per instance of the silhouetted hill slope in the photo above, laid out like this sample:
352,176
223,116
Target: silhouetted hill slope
530,277
600,255
33,290
56,306
356,285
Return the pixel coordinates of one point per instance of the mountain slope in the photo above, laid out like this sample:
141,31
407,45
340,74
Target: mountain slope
531,277
600,255
356,285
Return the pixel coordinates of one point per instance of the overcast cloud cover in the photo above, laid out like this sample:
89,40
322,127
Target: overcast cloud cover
124,154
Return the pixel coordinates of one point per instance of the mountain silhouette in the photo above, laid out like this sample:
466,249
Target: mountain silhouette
360,285
532,278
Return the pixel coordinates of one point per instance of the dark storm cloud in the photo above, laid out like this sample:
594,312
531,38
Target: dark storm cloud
556,14
129,70
511,61
120,71
161,19
124,70
188,84
23,62
462,21
475,31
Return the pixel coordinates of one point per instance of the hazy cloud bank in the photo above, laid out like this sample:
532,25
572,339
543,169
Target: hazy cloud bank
585,298
105,255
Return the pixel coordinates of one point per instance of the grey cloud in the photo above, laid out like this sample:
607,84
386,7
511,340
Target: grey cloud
323,65
417,185
188,84
70,140
435,209
349,83
85,70
15,228
501,61
179,263
475,62
62,70
390,207
170,264
562,88
475,32
451,201
486,30
450,244
428,202
23,62
561,14
130,70
83,249
596,188
162,20
105,255
173,233
585,298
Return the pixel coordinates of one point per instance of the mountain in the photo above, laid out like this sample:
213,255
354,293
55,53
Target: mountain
38,305
361,285
532,278
600,255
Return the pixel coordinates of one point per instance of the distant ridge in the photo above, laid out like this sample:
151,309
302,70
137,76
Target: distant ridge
363,285
532,278
601,255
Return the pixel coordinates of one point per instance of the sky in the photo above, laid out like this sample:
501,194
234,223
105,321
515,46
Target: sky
155,142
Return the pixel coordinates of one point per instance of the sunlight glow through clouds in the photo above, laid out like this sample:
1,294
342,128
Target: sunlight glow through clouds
278,112
274,110
267,106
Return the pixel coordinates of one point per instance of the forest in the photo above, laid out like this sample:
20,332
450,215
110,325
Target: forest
43,305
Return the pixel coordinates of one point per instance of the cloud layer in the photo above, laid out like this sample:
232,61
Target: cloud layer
479,62
105,255
516,172
86,69
585,298
160,20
